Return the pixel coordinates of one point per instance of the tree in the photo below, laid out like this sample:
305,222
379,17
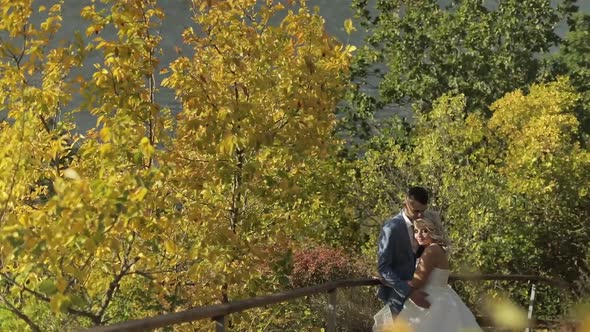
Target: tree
33,92
80,231
512,188
416,51
572,59
132,218
258,106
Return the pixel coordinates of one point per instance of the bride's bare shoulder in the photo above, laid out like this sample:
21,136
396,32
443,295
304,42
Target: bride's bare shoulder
437,254
434,250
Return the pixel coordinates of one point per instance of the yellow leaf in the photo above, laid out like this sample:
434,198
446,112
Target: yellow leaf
170,246
585,325
55,8
139,194
582,314
105,148
71,173
348,26
506,314
227,144
350,48
105,134
60,303
145,147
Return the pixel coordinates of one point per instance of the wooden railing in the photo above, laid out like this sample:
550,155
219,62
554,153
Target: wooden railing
219,312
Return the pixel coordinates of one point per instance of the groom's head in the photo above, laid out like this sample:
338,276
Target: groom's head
416,202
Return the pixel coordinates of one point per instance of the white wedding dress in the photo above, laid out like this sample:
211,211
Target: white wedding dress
447,313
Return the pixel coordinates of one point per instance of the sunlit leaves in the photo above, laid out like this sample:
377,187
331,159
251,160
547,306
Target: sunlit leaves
348,26
417,51
540,130
128,219
72,209
512,188
258,103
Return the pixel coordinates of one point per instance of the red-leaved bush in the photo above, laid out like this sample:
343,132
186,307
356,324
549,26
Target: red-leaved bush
321,264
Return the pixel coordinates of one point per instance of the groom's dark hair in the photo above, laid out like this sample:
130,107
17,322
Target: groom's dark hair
418,194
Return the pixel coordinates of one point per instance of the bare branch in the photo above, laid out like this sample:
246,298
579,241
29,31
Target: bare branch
116,283
10,307
47,299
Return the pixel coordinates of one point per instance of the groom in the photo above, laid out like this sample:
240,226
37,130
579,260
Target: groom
397,252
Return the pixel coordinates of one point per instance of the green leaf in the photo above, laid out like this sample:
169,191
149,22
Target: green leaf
47,287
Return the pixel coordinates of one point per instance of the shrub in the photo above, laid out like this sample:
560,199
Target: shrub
321,264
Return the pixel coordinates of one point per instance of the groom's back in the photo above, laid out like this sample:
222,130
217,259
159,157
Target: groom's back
402,260
395,256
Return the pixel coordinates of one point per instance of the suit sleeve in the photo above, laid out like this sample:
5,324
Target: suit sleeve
385,254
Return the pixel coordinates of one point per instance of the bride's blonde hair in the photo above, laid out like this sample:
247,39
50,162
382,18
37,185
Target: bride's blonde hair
431,221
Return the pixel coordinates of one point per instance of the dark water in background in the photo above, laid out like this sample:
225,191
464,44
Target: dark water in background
178,18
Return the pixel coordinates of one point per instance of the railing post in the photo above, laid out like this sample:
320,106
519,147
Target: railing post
531,305
331,311
219,323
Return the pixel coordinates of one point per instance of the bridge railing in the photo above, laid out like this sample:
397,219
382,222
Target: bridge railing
219,312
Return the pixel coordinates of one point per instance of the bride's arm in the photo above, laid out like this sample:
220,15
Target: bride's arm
430,259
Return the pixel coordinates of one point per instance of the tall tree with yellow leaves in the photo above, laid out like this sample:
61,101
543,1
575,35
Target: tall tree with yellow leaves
258,105
132,219
76,229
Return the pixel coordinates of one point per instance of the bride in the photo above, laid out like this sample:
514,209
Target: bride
447,313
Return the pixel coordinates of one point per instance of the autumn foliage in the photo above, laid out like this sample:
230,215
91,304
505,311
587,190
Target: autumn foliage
147,213
322,264
156,210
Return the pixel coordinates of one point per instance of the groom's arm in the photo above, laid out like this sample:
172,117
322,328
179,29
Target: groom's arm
385,252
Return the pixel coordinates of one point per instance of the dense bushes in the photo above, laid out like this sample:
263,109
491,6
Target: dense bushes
321,264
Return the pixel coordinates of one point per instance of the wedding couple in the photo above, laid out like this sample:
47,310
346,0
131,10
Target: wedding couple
414,269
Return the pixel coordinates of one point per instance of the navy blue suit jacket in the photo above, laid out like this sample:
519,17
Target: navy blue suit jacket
396,262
